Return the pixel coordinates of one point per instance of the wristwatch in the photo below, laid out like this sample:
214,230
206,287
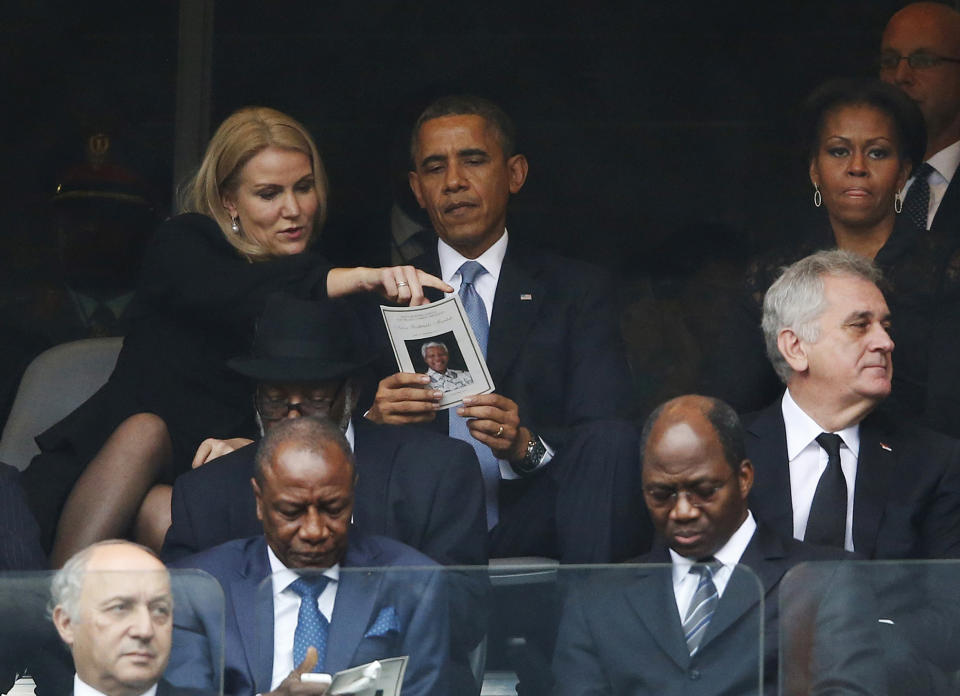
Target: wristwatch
535,453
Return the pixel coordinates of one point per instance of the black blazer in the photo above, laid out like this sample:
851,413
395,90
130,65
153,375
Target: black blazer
621,633
906,501
555,346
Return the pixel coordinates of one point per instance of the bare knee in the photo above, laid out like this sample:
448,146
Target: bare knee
153,517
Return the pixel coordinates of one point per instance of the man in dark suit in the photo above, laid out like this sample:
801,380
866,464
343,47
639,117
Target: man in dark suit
113,607
698,623
894,487
418,487
920,50
558,482
278,630
832,469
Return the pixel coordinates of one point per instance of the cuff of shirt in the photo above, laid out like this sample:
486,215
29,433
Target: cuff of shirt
506,469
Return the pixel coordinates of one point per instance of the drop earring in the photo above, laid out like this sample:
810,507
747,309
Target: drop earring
817,198
235,225
897,203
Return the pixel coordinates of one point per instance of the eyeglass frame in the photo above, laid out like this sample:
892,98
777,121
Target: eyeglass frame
693,498
287,406
934,57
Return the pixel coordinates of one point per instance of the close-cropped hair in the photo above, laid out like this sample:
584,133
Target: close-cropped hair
305,433
908,125
241,137
467,105
67,584
796,299
433,344
725,422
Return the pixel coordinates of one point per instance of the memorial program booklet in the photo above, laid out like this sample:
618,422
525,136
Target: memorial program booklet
436,340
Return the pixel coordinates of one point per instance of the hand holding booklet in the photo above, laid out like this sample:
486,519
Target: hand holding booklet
380,677
437,340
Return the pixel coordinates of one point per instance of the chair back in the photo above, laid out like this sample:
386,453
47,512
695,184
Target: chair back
53,385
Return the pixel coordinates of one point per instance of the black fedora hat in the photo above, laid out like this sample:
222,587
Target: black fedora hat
304,341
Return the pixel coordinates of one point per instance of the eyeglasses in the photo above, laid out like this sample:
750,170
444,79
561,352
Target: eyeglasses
917,61
698,495
276,407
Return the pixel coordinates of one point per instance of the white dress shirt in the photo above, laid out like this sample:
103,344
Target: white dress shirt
81,688
286,607
685,583
944,165
808,460
486,286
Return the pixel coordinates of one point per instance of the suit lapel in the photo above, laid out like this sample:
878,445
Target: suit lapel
651,596
763,560
770,498
515,307
357,595
253,608
874,470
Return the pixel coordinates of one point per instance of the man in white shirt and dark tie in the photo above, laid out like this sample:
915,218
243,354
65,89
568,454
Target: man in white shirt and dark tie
698,622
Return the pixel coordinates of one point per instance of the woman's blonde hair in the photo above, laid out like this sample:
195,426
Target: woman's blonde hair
238,139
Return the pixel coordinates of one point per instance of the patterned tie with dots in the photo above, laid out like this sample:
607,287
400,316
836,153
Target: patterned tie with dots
312,626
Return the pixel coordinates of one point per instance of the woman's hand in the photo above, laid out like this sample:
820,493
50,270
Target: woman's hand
211,448
398,284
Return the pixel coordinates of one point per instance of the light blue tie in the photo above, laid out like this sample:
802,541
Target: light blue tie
477,314
312,626
702,606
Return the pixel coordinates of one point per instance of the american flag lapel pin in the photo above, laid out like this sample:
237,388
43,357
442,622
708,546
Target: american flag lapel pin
526,296
885,446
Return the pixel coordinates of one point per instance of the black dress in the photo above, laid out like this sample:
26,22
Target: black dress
921,289
195,307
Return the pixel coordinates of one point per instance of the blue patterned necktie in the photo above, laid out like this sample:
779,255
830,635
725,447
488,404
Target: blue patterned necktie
477,314
702,606
916,206
312,626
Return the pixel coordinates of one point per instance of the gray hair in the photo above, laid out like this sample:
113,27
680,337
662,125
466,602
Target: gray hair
796,300
433,344
67,584
306,433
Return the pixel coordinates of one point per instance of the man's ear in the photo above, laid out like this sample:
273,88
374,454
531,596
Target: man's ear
745,473
792,350
414,180
63,624
518,168
258,496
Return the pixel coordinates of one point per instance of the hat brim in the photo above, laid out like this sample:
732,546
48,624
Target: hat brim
296,369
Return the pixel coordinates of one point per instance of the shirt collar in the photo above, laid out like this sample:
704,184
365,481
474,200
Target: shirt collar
946,161
728,555
491,259
283,576
801,429
81,688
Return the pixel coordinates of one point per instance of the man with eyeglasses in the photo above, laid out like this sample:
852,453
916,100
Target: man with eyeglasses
695,627
418,487
920,54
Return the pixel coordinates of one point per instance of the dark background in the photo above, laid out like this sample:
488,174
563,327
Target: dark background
660,135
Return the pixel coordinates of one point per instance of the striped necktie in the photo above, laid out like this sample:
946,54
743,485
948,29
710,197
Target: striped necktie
702,606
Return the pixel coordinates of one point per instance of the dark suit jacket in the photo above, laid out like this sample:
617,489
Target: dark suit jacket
555,346
414,486
906,501
621,632
418,599
19,534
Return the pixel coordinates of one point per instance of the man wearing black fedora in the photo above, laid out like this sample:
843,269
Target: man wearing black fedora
418,487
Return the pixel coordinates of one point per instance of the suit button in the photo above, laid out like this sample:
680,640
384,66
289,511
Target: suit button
694,674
